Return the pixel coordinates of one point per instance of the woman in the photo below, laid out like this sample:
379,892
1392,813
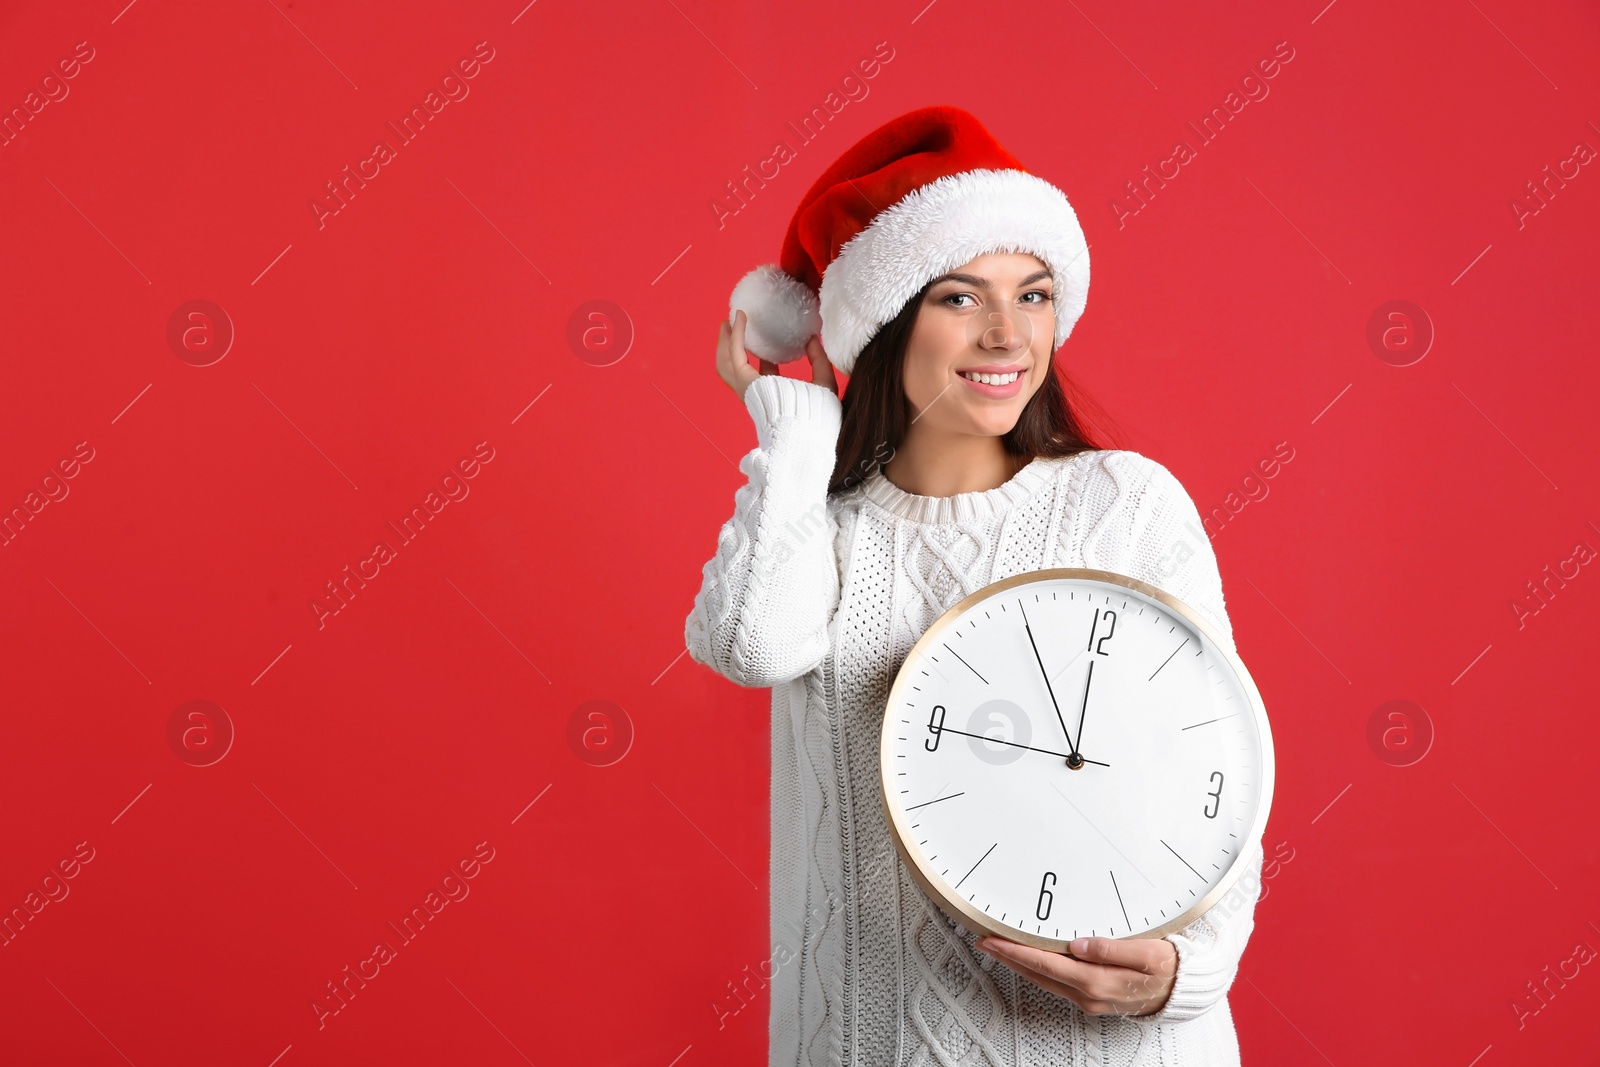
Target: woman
941,277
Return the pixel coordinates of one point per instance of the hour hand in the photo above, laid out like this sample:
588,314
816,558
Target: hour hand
1083,709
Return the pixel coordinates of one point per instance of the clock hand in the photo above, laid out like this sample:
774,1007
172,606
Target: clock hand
1074,760
1065,667
1085,706
1015,744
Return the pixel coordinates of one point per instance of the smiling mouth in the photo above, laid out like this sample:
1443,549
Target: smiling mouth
990,379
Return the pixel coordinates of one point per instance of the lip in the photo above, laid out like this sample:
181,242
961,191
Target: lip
993,368
995,392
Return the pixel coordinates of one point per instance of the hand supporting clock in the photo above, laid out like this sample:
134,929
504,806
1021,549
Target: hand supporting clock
1103,975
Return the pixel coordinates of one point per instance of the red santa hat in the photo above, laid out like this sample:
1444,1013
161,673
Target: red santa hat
914,199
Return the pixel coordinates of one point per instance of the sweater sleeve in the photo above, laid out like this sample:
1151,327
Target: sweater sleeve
1154,533
767,596
1164,540
1209,948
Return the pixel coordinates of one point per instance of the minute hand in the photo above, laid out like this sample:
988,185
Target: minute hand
1073,759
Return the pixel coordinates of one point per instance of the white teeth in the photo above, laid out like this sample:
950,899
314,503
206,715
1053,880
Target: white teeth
991,379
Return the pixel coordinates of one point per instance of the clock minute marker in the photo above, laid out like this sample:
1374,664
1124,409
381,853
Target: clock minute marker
1181,860
1120,904
967,665
925,803
1208,722
1164,662
975,866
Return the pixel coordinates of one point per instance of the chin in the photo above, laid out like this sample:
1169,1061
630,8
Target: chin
996,423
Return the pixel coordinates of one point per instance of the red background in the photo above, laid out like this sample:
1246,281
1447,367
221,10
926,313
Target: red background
374,350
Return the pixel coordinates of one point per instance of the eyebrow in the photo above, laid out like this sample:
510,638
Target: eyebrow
980,283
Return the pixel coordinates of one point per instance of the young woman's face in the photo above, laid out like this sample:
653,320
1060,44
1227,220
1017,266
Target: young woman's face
991,318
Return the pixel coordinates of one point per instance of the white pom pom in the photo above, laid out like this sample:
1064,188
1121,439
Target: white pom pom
781,313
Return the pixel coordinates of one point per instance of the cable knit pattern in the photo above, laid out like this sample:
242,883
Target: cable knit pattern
820,599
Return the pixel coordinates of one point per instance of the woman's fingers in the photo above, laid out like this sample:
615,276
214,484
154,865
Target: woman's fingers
741,355
1052,965
1071,992
724,361
733,359
733,362
727,360
1150,955
821,369
1130,977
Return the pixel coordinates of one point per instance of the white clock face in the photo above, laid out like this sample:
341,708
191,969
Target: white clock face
1073,757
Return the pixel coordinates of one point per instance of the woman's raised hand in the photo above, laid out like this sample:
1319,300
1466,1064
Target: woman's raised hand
733,361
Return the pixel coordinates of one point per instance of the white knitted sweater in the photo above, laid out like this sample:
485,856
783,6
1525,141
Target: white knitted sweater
821,599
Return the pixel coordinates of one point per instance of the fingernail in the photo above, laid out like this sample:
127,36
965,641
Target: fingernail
1080,947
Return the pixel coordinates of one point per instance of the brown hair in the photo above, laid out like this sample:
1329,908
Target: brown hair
877,413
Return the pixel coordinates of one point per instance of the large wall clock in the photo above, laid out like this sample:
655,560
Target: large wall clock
1074,753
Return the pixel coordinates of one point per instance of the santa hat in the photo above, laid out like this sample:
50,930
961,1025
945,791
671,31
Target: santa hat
914,199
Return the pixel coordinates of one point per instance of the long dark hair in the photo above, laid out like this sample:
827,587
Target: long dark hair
877,412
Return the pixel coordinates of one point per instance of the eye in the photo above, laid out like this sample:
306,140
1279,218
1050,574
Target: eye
957,296
1040,293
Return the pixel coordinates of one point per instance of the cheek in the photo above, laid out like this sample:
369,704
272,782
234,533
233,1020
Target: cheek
923,381
928,365
1037,376
1044,339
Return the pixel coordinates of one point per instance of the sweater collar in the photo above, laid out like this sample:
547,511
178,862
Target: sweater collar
980,504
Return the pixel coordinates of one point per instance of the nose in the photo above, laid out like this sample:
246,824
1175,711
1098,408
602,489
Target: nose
1005,330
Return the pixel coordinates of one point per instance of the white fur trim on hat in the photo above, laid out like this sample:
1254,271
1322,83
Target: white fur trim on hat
938,227
780,313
